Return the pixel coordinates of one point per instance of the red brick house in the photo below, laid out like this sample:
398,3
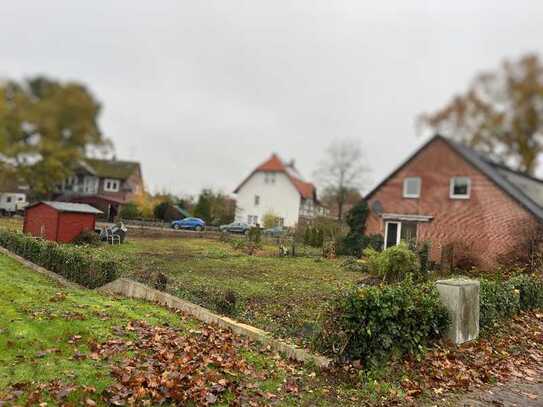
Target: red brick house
59,221
450,195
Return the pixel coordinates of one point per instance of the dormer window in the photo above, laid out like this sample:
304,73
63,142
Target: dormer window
111,185
411,187
460,188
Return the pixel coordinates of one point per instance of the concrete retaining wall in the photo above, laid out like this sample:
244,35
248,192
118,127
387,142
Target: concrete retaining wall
133,289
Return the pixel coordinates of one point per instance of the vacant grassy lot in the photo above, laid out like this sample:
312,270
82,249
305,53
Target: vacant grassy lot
279,294
69,346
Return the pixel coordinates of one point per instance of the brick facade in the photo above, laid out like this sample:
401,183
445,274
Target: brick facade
490,222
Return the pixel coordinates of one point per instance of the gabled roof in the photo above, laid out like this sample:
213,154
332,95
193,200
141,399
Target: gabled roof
110,168
525,189
68,207
13,184
274,164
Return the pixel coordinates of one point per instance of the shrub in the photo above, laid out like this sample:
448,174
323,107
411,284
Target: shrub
269,220
354,243
498,300
393,264
87,237
375,323
130,211
68,261
530,289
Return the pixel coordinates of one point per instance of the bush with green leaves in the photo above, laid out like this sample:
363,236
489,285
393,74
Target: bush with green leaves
499,300
374,323
530,287
87,237
130,210
69,261
393,264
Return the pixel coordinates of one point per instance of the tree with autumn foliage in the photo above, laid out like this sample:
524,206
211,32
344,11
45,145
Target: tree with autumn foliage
501,114
46,127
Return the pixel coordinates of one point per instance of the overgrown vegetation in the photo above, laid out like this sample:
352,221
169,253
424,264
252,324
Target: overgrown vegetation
393,264
87,237
373,324
69,261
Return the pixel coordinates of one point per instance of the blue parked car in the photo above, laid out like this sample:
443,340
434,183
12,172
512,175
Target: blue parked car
189,223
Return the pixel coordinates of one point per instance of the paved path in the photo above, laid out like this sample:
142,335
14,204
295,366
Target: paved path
508,395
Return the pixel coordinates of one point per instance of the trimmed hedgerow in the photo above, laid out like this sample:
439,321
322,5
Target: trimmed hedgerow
68,261
530,287
374,323
499,300
504,299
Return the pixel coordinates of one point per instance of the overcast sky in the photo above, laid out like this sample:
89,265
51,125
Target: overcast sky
202,91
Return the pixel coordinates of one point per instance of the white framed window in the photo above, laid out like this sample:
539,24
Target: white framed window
411,187
252,219
111,185
460,188
257,200
400,231
269,178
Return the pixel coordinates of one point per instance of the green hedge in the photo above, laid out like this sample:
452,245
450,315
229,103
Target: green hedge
499,300
504,299
375,323
68,261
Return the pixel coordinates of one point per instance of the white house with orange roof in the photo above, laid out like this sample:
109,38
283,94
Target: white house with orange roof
276,187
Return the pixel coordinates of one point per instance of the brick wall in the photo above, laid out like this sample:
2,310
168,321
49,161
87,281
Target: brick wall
490,222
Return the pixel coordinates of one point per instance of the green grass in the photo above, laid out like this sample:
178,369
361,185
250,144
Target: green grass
280,294
38,318
39,321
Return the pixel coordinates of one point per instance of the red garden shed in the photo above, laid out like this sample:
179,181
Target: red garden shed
59,221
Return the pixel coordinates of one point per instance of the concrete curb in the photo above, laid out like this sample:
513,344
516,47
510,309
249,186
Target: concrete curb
38,269
132,289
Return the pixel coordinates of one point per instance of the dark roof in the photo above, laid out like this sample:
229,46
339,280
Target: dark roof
68,207
110,168
13,184
525,189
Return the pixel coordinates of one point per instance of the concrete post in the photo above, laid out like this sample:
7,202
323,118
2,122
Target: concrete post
461,298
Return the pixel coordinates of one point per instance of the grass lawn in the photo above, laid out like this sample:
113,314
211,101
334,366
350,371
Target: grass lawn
59,345
282,295
279,294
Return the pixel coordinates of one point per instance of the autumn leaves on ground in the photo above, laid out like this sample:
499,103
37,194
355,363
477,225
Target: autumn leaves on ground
70,347
63,346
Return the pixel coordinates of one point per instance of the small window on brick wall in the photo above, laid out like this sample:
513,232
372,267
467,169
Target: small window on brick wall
460,188
411,187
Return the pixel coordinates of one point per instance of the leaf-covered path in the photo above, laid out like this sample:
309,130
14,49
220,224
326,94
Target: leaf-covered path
511,394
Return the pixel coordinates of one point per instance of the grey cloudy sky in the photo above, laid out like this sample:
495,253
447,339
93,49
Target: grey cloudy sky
202,91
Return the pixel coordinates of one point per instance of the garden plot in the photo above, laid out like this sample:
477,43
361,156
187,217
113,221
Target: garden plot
278,294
